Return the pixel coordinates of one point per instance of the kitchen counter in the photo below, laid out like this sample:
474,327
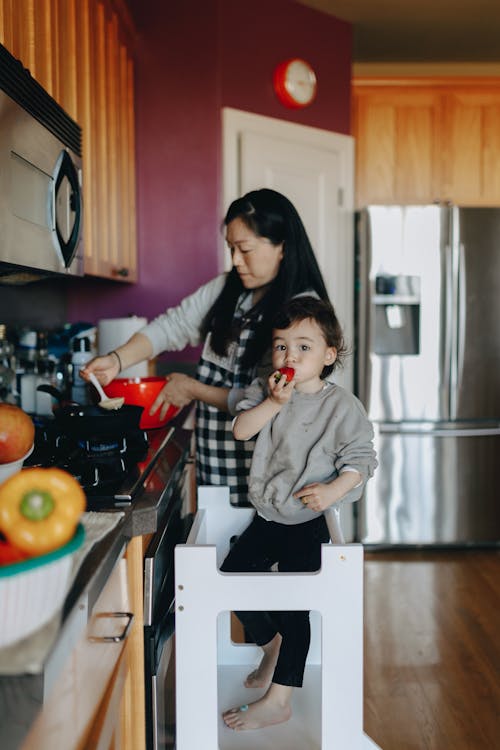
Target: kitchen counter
22,694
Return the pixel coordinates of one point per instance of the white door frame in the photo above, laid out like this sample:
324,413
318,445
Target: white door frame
234,122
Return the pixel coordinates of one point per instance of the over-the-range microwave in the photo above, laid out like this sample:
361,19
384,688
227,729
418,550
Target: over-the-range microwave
41,209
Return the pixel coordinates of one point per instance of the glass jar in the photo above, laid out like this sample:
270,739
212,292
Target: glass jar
7,367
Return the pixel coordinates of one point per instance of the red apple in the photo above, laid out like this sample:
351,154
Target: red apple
288,372
17,433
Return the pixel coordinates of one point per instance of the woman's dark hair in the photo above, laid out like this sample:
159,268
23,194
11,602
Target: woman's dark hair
322,312
270,215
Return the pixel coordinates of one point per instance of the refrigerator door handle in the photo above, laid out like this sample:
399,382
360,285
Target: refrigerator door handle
454,320
440,430
461,315
364,309
446,334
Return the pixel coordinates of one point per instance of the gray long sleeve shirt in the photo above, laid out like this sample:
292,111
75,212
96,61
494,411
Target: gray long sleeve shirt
179,326
311,439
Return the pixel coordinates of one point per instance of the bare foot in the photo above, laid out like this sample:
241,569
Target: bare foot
272,708
262,676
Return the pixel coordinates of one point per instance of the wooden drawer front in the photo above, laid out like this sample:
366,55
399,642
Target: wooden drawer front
72,706
106,726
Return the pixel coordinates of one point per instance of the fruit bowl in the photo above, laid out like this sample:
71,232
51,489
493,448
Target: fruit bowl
7,470
32,591
142,392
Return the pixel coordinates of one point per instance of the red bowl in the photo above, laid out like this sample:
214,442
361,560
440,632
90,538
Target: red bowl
142,392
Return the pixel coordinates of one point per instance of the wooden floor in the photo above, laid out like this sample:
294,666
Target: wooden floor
432,650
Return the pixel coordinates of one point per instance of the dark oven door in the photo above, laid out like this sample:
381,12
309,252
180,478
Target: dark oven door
159,655
159,614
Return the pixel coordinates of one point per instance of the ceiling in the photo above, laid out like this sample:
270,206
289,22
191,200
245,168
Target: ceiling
419,30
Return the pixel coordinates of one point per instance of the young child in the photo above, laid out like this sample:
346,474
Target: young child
314,448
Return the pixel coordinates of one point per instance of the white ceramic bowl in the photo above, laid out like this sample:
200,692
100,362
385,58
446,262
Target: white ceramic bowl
7,470
33,590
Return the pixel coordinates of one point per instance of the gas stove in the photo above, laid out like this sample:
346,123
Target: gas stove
113,469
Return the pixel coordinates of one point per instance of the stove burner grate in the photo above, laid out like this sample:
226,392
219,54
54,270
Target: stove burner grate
103,465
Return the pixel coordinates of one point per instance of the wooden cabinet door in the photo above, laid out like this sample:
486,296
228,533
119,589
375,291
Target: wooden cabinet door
397,153
106,78
422,140
471,139
79,51
76,701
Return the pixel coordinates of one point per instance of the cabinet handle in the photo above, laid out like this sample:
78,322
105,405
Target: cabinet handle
114,638
124,272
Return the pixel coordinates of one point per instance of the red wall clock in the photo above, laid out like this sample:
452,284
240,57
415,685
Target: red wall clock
295,83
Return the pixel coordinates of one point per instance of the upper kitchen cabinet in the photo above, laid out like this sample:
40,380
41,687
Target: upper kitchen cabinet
80,51
424,140
396,152
471,153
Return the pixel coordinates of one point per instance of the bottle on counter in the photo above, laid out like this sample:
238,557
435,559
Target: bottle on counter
81,354
7,367
26,366
27,346
27,385
64,375
45,376
6,347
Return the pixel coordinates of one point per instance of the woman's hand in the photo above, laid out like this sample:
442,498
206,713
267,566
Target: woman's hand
108,366
105,368
178,391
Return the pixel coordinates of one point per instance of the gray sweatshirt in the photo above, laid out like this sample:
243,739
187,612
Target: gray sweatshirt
313,438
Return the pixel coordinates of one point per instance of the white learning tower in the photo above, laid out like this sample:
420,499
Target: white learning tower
328,710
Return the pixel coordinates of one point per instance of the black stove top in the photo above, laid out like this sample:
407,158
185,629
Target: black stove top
112,469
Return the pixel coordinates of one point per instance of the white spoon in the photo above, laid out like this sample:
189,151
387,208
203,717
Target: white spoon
105,402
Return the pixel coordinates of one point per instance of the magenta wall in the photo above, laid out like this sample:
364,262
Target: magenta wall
193,58
257,35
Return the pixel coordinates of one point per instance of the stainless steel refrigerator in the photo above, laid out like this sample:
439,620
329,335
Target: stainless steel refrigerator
428,371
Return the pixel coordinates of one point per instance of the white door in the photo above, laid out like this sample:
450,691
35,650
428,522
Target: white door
314,168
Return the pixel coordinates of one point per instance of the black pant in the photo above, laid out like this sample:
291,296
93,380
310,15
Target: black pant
296,549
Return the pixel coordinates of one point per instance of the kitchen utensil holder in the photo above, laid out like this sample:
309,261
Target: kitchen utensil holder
204,600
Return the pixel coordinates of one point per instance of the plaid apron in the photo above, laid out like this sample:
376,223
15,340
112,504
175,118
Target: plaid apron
220,459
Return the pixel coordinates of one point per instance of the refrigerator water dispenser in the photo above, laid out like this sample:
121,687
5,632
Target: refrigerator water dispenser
397,315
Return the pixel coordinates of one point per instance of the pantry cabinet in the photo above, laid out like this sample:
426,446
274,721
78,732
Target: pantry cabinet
80,51
425,140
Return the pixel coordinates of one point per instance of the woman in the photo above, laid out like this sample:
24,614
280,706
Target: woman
272,261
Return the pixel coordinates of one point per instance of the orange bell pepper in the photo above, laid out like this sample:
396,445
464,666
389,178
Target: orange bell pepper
40,509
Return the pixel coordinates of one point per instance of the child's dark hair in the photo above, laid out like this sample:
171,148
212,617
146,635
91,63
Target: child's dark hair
304,307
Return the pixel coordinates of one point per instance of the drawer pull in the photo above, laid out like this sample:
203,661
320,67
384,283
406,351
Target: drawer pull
114,638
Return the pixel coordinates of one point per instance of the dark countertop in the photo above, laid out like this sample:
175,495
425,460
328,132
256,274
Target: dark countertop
22,695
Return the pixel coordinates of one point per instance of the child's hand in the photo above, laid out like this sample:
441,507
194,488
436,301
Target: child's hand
280,388
316,496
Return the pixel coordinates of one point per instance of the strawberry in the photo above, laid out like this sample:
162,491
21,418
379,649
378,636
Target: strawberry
288,372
